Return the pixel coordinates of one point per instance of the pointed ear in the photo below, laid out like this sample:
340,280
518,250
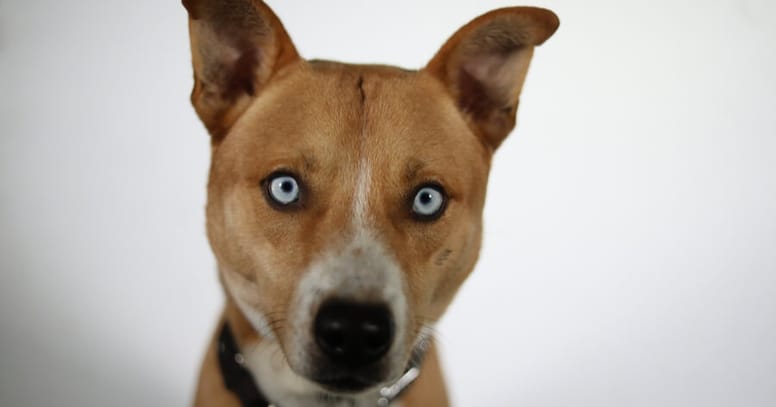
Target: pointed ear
236,47
484,64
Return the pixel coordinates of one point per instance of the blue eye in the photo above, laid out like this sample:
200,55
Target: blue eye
429,202
283,189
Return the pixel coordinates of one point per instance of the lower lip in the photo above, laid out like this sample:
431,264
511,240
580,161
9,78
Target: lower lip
346,385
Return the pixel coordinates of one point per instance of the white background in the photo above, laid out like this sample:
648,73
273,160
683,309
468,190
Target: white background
630,248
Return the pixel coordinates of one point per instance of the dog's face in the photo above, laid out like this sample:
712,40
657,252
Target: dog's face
344,201
359,161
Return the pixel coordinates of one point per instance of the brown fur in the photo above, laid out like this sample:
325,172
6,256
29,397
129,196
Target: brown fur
267,109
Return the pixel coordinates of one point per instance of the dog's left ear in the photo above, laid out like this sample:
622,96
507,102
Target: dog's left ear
483,65
236,47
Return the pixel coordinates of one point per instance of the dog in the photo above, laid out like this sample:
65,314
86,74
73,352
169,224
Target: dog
344,203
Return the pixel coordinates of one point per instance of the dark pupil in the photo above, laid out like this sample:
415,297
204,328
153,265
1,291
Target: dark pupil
287,186
425,198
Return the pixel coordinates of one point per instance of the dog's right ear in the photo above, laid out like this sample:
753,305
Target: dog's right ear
236,47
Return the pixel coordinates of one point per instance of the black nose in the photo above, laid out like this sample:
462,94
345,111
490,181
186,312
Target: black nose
353,334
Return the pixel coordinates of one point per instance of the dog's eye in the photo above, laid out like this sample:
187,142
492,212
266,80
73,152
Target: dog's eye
283,189
429,202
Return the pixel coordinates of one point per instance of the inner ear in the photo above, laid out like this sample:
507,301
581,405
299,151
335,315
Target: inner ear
491,83
236,47
484,65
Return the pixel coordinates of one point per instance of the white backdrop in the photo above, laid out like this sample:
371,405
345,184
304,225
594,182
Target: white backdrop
630,248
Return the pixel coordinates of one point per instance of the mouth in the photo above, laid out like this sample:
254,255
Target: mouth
334,380
346,384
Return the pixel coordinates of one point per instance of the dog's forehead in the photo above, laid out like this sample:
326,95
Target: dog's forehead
330,117
412,127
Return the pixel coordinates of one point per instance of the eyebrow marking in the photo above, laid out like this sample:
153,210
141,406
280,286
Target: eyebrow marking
414,166
309,162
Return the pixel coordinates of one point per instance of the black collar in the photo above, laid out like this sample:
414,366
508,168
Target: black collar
239,380
236,377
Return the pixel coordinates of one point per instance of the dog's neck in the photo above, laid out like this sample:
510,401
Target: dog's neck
280,385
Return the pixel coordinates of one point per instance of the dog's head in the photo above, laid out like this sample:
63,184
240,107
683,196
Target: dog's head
345,201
